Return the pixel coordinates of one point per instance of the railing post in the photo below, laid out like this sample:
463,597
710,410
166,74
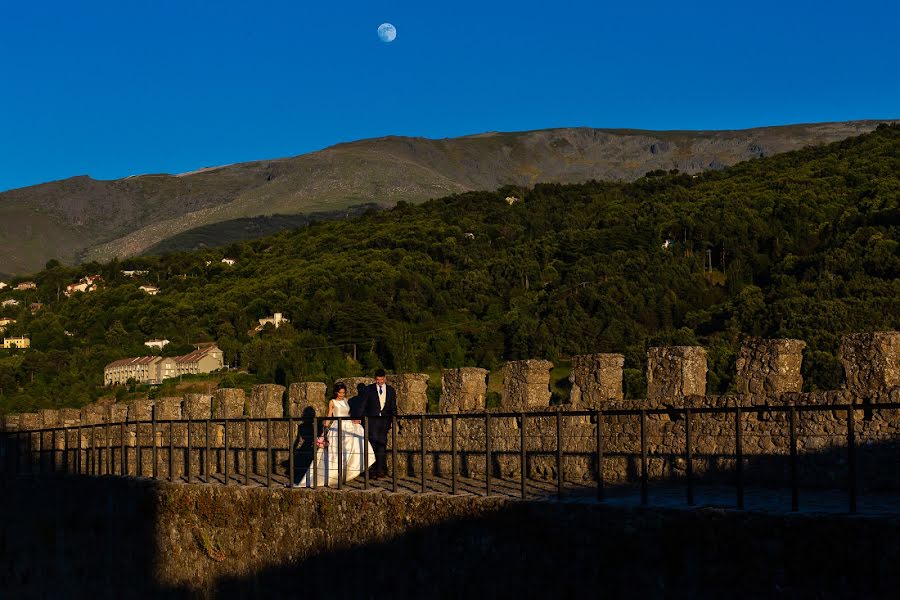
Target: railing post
559,456
138,452
601,492
225,451
422,444
109,470
94,450
523,458
340,454
247,451
739,456
65,456
268,452
365,452
53,451
795,495
123,455
689,457
487,454
643,456
851,457
153,439
290,446
171,451
393,453
453,441
207,459
315,462
78,462
40,454
187,467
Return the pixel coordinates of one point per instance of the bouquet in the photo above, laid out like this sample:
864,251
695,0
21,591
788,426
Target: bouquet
321,442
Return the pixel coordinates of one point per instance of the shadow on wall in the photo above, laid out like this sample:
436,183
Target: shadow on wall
108,537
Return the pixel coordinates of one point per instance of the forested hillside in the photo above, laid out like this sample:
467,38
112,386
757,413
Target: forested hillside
801,245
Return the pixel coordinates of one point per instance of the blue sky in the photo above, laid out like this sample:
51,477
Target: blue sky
111,89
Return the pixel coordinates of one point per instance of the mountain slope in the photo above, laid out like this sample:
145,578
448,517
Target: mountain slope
85,219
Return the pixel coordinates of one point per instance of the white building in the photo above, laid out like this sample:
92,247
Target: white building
134,273
10,302
3,285
229,261
150,289
26,285
160,344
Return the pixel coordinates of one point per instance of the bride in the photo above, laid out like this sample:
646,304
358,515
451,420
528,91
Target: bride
350,445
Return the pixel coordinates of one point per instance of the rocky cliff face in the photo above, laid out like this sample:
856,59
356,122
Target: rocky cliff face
82,218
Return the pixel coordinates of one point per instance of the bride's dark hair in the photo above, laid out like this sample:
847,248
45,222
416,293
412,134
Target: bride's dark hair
338,387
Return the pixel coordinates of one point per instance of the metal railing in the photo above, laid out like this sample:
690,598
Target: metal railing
21,456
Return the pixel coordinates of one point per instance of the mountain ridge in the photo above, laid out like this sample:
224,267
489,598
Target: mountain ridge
83,219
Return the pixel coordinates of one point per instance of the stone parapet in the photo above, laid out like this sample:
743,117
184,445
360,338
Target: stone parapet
871,360
69,417
29,421
168,408
266,401
197,407
411,388
10,422
228,403
769,366
93,414
674,372
354,386
307,395
463,390
526,384
140,409
118,413
596,379
49,417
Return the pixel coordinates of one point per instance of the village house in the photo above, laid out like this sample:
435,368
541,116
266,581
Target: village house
35,306
159,344
277,320
3,285
229,261
155,369
26,285
88,283
16,342
10,302
134,273
150,289
6,322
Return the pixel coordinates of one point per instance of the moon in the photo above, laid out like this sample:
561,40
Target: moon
387,33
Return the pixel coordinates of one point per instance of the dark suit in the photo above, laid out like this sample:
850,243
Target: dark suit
379,421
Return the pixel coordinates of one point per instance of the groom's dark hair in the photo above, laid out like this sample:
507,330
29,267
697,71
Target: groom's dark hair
380,373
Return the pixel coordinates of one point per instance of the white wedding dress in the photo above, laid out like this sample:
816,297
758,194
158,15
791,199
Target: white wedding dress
350,445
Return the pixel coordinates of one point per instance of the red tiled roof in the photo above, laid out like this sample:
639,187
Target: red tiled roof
139,360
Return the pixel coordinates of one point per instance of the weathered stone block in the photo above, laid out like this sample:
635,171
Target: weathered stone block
596,379
769,366
10,422
140,409
228,403
93,414
675,371
526,384
463,390
49,417
168,408
29,421
197,407
267,401
69,417
871,360
118,413
411,388
308,394
354,386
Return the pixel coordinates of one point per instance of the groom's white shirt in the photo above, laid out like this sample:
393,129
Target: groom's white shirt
382,392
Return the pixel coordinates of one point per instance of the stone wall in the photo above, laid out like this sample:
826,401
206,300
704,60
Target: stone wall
117,538
769,367
871,360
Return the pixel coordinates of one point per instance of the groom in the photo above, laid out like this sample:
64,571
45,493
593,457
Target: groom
378,401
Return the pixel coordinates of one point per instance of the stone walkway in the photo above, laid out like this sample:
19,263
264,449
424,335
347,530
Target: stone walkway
660,494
